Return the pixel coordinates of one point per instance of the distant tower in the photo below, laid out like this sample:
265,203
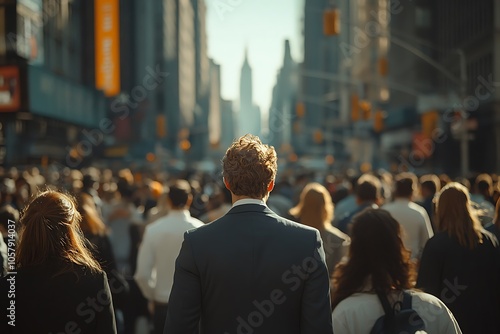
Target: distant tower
249,115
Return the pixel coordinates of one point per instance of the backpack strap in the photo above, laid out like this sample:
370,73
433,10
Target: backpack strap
389,312
406,301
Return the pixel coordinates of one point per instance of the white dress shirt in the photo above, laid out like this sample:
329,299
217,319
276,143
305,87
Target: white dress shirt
249,201
415,222
158,251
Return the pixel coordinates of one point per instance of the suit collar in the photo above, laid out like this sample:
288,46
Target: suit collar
250,208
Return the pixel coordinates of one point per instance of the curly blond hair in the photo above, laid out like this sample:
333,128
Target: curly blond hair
249,166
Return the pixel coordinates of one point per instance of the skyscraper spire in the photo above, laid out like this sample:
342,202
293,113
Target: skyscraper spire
245,62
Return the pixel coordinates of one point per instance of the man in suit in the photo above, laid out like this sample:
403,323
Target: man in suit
251,271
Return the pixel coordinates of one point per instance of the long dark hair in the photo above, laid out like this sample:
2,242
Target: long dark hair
50,234
377,257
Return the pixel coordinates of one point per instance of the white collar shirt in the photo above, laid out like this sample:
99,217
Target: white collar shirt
158,251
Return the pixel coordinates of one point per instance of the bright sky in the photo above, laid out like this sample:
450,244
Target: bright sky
263,26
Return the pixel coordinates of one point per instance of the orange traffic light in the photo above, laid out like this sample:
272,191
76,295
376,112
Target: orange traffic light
318,136
300,109
383,66
331,22
378,121
366,109
161,128
185,145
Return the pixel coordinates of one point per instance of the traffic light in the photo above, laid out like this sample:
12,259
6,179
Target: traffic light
331,22
300,109
366,109
429,123
161,131
378,121
185,145
318,136
383,66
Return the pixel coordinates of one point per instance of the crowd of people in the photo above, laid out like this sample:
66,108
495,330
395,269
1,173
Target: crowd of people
247,250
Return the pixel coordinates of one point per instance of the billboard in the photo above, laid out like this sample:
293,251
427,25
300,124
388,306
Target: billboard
10,95
107,46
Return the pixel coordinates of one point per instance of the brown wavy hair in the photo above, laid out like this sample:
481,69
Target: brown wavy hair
378,259
50,234
315,207
91,223
249,166
455,215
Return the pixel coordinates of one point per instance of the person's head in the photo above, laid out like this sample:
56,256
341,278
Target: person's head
315,207
179,195
376,253
405,185
91,223
249,167
8,213
429,185
484,185
368,189
50,233
455,215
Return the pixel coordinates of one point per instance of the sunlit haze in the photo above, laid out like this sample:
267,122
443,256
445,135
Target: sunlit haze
260,25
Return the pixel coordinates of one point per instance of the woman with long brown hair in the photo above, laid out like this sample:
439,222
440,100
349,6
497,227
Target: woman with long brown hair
379,262
59,286
461,263
315,209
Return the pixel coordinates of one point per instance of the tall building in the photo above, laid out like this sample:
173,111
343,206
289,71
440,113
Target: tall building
282,115
317,130
215,117
467,42
200,132
228,125
50,109
249,114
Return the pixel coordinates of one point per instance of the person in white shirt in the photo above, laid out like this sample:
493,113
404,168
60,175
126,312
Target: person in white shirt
379,262
159,249
413,218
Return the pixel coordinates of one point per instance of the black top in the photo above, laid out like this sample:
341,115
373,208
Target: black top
73,302
251,271
467,281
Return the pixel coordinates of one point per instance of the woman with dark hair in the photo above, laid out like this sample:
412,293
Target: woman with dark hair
315,209
59,286
378,262
461,263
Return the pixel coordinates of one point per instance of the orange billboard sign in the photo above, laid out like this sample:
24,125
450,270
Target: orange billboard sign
107,46
10,95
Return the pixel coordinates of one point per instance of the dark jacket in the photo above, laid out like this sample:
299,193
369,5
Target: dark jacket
467,281
250,271
73,302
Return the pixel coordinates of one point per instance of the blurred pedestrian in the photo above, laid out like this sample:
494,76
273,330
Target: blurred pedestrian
250,268
59,286
379,263
368,195
413,218
429,186
315,209
461,263
159,249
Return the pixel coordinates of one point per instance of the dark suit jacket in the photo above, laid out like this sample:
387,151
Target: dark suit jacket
62,304
250,271
467,281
